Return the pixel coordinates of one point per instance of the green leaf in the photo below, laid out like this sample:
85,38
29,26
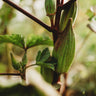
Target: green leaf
15,64
15,39
42,57
46,65
38,40
90,14
24,60
38,56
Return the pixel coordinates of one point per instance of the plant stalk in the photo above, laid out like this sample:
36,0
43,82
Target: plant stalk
58,13
62,2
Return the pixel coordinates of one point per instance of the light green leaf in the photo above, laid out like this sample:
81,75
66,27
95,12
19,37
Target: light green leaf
15,39
15,64
38,40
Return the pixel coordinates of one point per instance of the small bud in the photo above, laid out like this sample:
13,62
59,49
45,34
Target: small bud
50,8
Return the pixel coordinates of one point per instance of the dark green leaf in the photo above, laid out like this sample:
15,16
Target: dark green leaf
15,64
15,39
38,56
38,40
42,57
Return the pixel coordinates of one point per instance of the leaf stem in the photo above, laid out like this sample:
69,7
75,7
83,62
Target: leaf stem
28,15
30,65
14,74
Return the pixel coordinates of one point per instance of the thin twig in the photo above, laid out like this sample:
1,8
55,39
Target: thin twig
28,15
14,74
30,65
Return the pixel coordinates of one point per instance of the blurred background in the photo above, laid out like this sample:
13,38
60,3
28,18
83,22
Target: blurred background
82,74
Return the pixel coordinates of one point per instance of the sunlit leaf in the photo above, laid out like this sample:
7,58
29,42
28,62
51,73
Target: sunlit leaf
38,40
15,39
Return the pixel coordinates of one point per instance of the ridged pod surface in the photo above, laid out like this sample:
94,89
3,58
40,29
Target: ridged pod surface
69,12
64,49
50,8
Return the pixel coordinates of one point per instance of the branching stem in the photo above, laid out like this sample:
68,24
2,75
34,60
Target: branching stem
30,65
28,15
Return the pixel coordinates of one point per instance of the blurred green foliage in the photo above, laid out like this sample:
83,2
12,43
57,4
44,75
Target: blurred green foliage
85,56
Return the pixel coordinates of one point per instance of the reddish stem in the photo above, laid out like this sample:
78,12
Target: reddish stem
58,13
65,84
52,25
62,2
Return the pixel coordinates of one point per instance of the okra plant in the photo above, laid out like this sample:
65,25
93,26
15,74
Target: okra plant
62,18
